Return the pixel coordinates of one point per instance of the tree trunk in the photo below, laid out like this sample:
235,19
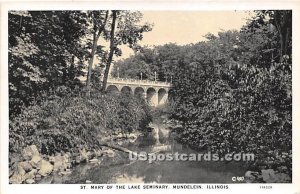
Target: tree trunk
94,47
112,49
91,61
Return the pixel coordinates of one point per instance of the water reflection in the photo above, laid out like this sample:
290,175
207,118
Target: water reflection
156,172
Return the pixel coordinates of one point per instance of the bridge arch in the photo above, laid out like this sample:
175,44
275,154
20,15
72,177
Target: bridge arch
151,96
155,92
112,89
162,96
126,90
139,92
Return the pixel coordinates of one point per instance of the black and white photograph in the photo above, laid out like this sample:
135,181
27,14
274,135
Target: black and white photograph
150,98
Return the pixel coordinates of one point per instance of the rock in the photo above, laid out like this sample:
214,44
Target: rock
268,175
30,181
59,163
30,151
35,160
83,155
19,170
63,173
119,136
283,178
162,148
51,159
16,179
132,138
18,176
31,174
155,134
89,155
67,157
251,176
164,134
110,153
46,180
98,153
94,160
282,168
77,159
26,166
38,177
68,165
45,168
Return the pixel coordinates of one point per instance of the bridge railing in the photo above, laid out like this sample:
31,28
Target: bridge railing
136,81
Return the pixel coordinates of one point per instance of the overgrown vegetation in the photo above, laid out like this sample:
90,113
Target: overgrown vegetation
233,92
65,120
48,56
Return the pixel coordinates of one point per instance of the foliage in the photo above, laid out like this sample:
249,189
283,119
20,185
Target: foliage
44,52
242,102
232,93
67,120
160,59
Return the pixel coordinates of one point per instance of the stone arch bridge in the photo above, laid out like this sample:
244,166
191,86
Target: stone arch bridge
155,92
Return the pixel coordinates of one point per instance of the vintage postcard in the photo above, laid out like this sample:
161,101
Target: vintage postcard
141,97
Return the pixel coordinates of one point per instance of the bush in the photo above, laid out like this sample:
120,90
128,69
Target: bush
64,120
245,109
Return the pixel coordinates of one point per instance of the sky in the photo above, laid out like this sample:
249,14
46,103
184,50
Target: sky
185,27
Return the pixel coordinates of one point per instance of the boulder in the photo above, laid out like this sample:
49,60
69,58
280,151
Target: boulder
283,178
268,175
26,166
132,138
83,155
29,151
77,159
16,179
67,157
98,153
52,159
19,170
63,173
18,176
46,180
94,160
45,168
35,160
38,176
61,163
30,181
251,176
31,174
110,153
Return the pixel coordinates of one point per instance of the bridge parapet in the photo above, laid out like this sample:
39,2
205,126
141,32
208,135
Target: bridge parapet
139,82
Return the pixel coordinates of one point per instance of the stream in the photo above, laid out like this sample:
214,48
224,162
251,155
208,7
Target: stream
139,171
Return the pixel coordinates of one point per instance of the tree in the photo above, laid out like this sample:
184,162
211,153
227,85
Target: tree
124,30
98,20
44,52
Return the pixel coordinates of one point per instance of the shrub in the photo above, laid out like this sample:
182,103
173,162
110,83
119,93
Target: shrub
64,120
244,109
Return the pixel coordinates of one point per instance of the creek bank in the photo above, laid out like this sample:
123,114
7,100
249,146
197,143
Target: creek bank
30,166
266,171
